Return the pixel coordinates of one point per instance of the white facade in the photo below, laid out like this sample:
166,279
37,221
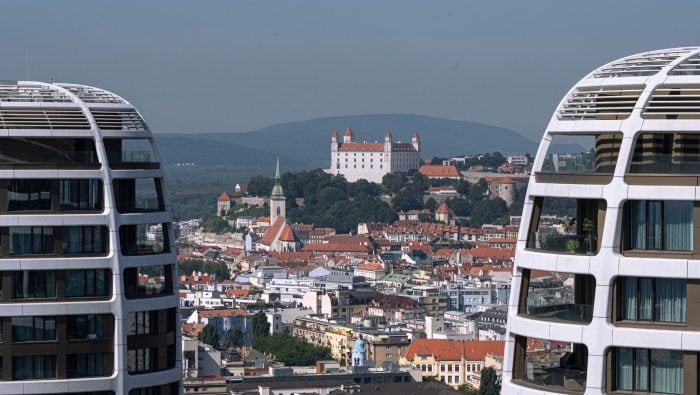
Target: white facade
649,94
68,118
372,160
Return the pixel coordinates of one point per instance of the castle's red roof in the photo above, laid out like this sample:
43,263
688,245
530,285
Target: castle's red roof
439,171
224,197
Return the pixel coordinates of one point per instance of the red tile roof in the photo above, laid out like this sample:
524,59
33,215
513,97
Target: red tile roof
443,209
453,350
224,197
439,171
336,247
222,313
272,232
288,234
348,131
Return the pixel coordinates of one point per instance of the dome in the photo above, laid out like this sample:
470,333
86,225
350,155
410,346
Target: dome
359,345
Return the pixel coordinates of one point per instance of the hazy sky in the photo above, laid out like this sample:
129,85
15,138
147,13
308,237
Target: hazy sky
239,65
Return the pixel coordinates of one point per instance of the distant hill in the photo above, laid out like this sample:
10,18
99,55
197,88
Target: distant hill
203,152
306,144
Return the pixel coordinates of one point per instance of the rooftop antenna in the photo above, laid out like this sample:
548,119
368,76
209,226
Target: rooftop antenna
26,62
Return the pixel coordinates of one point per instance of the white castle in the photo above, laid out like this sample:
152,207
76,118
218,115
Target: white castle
371,161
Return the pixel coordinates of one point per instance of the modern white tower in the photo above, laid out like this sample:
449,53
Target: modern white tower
608,301
84,223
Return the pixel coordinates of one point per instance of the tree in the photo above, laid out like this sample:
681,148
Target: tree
467,389
489,382
209,336
394,182
260,186
261,327
431,204
293,351
233,338
406,200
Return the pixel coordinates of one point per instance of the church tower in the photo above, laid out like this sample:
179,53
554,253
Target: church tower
278,202
359,352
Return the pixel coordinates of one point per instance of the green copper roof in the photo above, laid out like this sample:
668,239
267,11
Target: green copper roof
277,191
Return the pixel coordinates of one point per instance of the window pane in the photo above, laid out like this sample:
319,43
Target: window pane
678,226
667,371
629,298
670,304
646,292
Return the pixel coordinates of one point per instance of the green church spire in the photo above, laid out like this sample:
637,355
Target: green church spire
277,191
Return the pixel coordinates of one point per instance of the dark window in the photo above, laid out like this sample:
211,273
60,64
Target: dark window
34,367
88,326
80,194
33,284
86,365
84,239
28,329
33,195
27,240
142,360
86,283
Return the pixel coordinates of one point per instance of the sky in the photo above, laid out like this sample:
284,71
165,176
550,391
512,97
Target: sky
195,66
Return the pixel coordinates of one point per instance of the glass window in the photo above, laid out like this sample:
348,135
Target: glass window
558,365
85,365
32,195
666,153
580,153
653,299
27,329
84,239
661,225
89,326
86,283
638,369
28,240
141,360
80,194
33,284
40,150
34,367
560,296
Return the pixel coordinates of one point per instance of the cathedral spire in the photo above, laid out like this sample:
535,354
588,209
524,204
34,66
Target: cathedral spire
277,191
277,171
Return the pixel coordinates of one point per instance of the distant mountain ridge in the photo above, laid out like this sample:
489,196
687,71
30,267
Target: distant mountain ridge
306,144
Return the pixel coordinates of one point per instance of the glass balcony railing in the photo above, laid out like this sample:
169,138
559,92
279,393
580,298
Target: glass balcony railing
49,158
665,164
555,378
566,244
568,312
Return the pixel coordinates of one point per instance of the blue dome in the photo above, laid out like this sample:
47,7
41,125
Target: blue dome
359,344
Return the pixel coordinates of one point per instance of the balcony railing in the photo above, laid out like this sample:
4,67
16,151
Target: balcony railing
569,312
566,244
666,164
557,379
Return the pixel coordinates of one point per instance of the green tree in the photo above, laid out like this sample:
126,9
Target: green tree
489,382
213,223
394,182
467,389
293,351
218,269
431,204
261,327
260,186
406,200
209,336
233,338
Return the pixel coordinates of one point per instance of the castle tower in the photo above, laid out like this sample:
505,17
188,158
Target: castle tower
415,141
334,141
387,142
278,202
348,136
